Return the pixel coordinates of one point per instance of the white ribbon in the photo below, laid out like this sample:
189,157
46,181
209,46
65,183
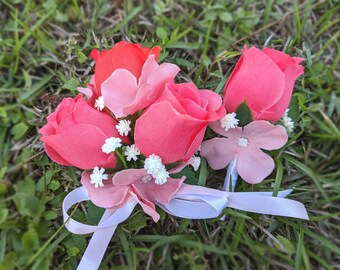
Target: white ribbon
192,202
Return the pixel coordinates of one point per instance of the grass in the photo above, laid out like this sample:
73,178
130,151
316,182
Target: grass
43,58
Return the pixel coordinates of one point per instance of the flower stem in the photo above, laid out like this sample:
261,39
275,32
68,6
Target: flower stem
120,156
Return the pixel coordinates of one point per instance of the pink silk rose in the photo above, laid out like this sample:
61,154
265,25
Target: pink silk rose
265,80
173,127
75,133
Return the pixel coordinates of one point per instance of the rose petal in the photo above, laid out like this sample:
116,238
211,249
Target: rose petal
265,135
55,156
252,81
151,84
108,196
115,98
280,58
214,100
253,165
172,131
193,109
275,112
86,114
218,152
80,146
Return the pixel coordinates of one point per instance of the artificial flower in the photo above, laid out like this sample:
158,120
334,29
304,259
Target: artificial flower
123,55
125,94
132,183
173,127
127,78
75,133
264,80
245,145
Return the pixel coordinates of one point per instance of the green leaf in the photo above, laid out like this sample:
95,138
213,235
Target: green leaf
30,241
49,215
294,109
81,56
288,246
94,213
188,173
243,113
226,16
137,221
54,185
161,33
3,215
19,130
71,84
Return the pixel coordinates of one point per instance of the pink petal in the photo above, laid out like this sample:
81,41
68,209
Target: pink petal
161,193
89,115
265,135
219,152
193,109
151,84
119,90
87,91
163,131
108,196
167,191
274,113
298,60
55,156
147,206
189,90
181,166
170,95
197,141
128,176
253,165
214,100
149,67
80,146
280,58
255,79
233,133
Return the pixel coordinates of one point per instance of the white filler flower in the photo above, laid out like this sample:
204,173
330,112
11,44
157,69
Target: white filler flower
288,122
99,103
197,162
97,177
154,166
131,152
229,121
123,127
111,144
161,177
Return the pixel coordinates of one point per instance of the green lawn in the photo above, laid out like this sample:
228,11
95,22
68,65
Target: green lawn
44,52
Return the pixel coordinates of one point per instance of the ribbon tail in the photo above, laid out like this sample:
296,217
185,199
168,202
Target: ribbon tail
97,246
267,205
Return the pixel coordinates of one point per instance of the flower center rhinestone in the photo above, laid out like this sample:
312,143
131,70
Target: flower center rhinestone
243,142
